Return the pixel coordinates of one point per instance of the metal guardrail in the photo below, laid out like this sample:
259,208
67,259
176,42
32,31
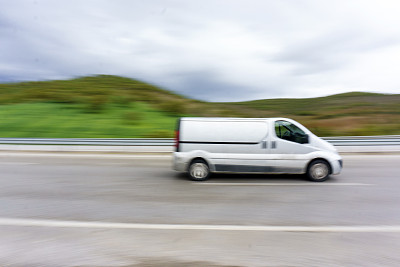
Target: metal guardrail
382,140
386,140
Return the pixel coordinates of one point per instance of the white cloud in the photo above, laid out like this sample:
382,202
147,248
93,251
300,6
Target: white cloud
214,49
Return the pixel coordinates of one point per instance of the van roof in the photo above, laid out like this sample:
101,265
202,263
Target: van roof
229,119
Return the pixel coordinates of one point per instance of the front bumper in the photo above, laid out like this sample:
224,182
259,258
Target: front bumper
337,166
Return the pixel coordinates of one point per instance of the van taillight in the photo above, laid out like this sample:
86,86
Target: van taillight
177,141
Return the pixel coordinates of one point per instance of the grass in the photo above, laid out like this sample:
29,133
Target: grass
70,121
116,107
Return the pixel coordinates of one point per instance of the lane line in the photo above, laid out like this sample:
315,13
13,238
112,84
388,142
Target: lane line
17,163
263,228
285,184
127,155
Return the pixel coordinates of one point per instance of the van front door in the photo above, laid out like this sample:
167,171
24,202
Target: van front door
289,146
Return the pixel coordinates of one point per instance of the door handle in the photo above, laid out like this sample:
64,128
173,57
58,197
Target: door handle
264,144
273,144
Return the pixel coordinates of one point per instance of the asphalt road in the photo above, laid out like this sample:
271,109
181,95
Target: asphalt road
115,210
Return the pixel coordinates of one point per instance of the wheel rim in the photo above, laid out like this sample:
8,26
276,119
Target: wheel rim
199,170
319,171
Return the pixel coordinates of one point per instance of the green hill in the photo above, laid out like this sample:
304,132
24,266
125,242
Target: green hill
112,106
353,113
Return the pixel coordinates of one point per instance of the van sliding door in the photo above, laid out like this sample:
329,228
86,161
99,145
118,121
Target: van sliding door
248,151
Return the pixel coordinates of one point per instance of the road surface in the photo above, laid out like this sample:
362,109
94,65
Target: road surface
118,210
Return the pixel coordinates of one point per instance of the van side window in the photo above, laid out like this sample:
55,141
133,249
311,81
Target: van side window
290,132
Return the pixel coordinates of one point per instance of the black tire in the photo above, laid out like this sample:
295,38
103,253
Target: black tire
318,171
198,170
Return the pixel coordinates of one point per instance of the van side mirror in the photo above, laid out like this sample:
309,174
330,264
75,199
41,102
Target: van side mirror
305,139
300,138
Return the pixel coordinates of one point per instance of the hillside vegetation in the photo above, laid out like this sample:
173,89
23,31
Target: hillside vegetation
111,106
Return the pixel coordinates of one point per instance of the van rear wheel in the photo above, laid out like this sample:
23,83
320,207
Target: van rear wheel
318,171
199,170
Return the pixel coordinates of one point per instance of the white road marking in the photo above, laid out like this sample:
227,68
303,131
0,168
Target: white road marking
285,184
264,228
18,163
44,154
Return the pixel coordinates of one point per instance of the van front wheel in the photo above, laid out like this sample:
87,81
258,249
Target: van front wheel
318,171
198,170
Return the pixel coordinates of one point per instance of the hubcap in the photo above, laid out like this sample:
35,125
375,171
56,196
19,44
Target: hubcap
198,170
319,171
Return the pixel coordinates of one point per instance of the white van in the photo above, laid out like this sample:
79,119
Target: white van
259,145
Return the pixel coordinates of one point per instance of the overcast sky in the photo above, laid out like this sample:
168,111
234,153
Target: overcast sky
216,50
